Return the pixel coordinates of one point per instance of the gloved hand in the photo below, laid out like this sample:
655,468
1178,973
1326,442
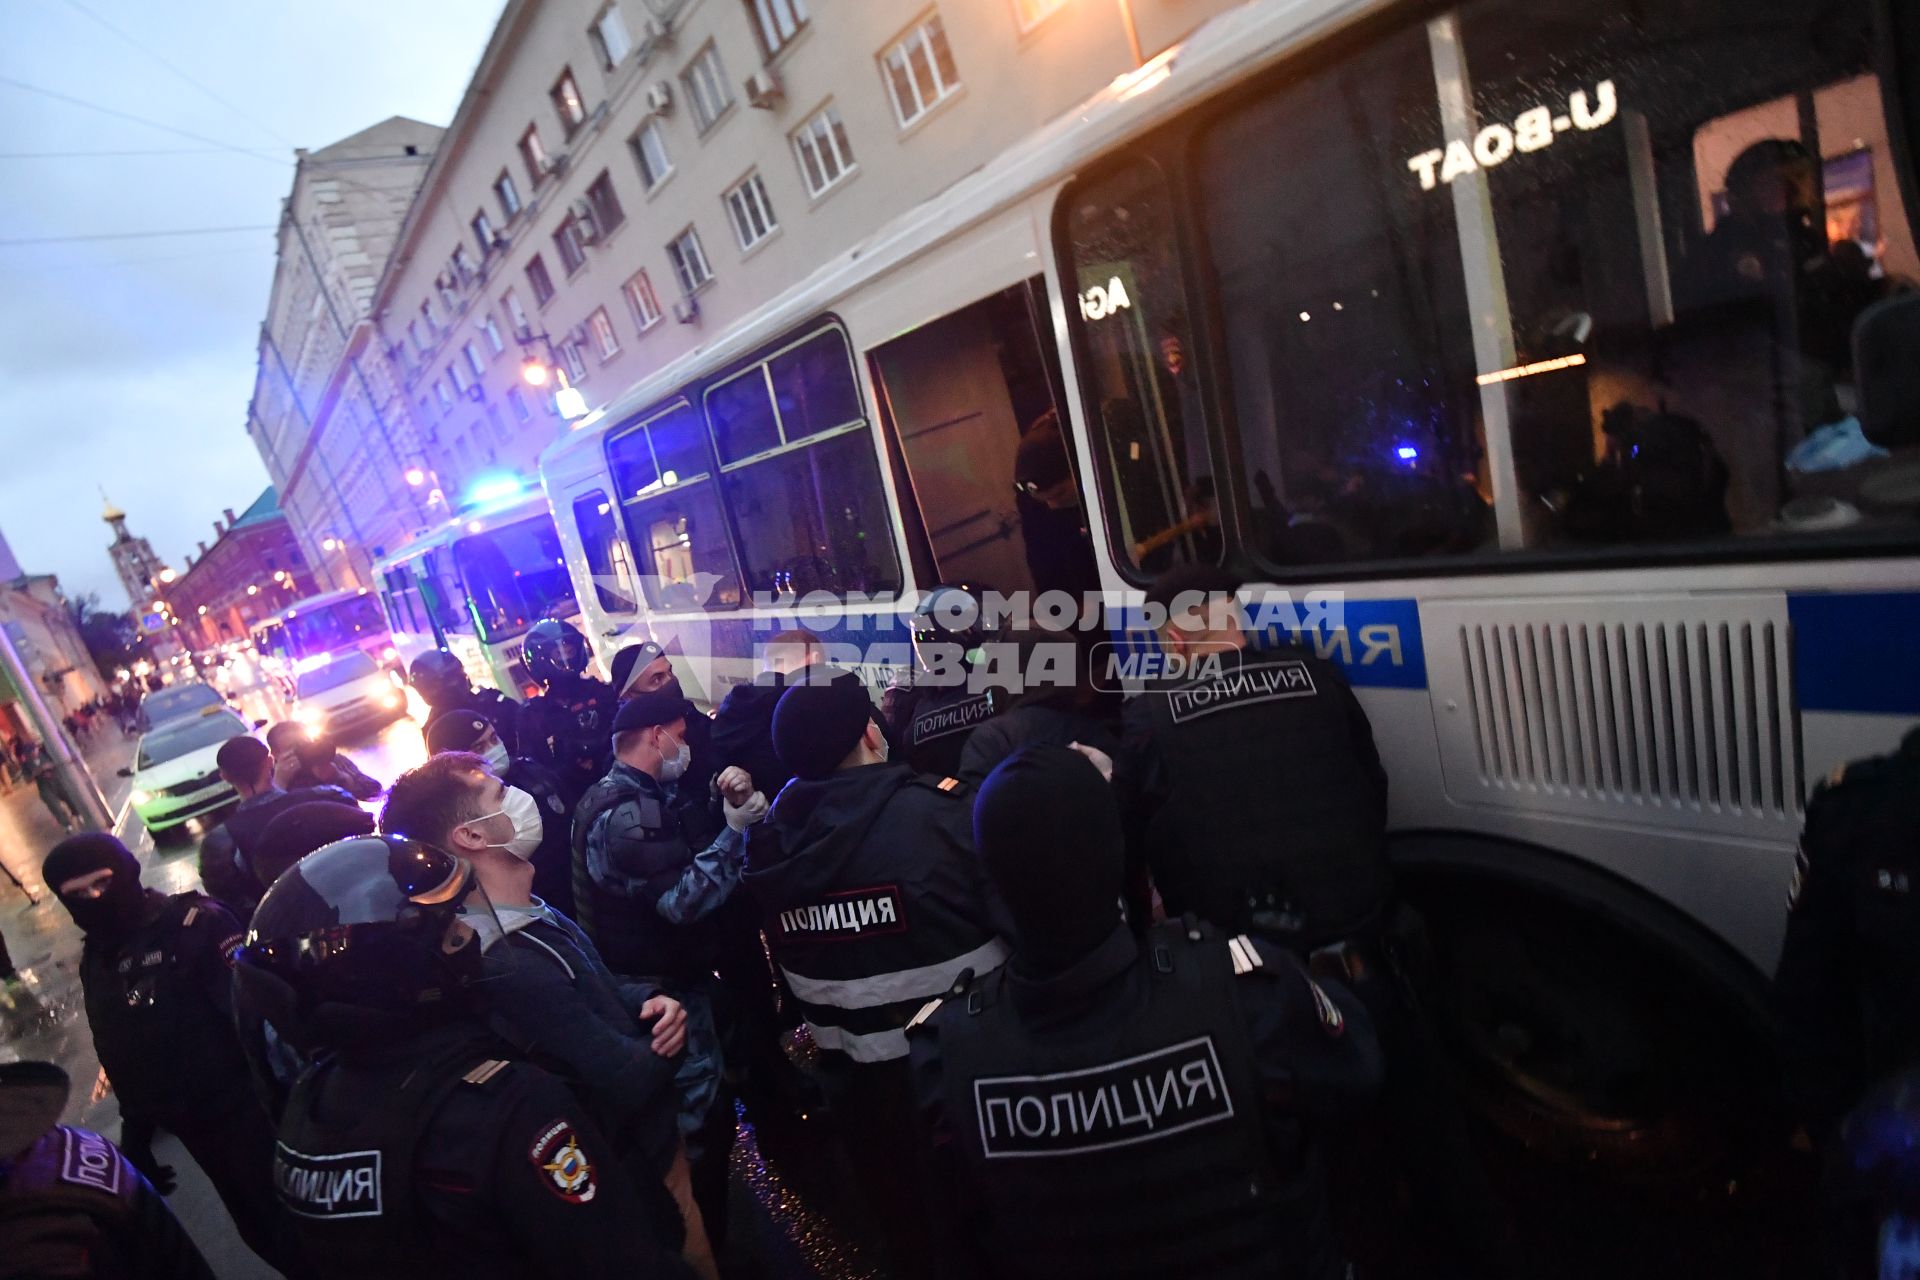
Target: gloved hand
745,814
1101,760
139,1154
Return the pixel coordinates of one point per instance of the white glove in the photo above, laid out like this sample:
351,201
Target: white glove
742,816
1101,760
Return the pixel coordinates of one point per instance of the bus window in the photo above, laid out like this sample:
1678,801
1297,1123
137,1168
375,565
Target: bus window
514,576
439,598
402,600
664,478
970,400
809,507
1591,286
1142,387
334,626
608,560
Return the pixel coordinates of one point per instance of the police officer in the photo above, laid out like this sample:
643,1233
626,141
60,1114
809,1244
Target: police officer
743,723
442,682
548,988
552,855
569,727
227,855
1253,788
156,974
1848,986
71,1206
948,696
874,903
416,1144
1060,706
650,892
1113,1108
645,668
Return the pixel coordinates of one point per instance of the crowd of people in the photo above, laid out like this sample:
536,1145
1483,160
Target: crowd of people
1077,988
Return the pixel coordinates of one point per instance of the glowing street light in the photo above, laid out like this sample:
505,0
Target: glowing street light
534,372
330,544
167,575
253,589
203,611
416,476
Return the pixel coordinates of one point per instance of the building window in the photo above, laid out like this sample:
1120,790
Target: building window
689,261
460,380
541,282
508,194
920,71
443,285
821,147
705,81
649,143
533,154
495,343
600,327
420,343
645,304
516,314
566,242
1031,13
483,232
567,103
518,403
462,265
444,396
426,313
751,212
475,361
609,36
607,213
573,358
779,21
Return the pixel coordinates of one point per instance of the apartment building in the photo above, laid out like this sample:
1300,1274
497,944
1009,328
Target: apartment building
624,179
322,409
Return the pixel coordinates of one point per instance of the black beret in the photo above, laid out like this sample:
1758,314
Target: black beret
818,722
455,730
644,710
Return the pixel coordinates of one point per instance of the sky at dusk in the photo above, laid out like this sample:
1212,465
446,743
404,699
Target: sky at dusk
128,363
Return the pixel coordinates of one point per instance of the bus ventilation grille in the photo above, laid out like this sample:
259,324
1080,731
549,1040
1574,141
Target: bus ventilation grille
1691,715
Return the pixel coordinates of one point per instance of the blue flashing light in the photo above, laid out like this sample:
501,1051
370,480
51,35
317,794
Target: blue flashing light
494,487
1407,453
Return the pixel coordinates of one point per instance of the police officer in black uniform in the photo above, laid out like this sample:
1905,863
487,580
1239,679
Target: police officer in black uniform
71,1206
1251,788
875,903
947,697
416,1144
227,855
442,682
568,728
1848,986
552,859
156,973
1112,1108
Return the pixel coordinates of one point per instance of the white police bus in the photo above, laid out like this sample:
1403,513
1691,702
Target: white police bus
1525,325
476,584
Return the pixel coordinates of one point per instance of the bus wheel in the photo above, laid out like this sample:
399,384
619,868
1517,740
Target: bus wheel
1575,1038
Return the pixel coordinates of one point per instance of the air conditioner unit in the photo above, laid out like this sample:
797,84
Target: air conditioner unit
501,242
656,31
477,393
686,310
557,163
577,335
583,221
764,89
660,98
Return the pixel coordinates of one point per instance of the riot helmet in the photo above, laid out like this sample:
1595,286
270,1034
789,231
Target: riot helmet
366,938
439,677
554,649
952,616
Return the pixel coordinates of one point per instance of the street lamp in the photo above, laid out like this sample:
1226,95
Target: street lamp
330,544
535,372
416,476
167,576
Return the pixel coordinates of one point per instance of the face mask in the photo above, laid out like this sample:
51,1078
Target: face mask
674,767
497,758
523,811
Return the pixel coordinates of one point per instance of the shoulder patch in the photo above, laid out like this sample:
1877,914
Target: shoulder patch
1331,1020
89,1160
561,1163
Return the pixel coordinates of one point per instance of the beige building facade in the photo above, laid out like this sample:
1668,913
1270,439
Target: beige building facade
625,179
322,414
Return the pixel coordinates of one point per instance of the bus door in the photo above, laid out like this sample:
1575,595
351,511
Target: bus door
971,401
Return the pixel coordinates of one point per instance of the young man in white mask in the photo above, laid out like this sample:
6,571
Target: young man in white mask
463,729
621,1042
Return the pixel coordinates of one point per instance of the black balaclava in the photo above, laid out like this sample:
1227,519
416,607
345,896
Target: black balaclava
1048,830
32,1096
113,914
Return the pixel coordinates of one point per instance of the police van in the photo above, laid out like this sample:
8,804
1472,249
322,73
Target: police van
1523,332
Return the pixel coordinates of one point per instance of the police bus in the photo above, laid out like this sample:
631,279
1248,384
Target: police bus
474,585
1524,328
310,633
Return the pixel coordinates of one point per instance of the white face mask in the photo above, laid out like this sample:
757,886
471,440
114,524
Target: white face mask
524,812
674,767
497,758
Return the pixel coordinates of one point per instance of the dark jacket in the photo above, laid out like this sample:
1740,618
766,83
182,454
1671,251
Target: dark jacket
72,1206
874,901
743,732
553,860
227,854
569,729
336,771
1028,724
